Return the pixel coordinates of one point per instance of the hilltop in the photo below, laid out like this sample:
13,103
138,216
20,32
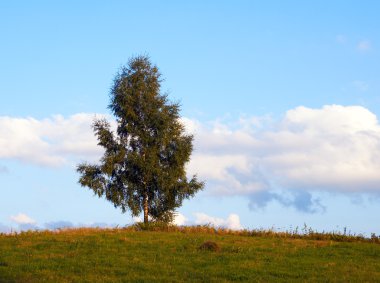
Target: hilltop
194,254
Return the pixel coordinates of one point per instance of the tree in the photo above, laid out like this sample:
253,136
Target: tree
143,167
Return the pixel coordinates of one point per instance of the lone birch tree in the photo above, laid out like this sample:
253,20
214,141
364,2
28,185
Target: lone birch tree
143,166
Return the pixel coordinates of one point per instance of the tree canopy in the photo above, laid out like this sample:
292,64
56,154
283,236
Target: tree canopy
143,166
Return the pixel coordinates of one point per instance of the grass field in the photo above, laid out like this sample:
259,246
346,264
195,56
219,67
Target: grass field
174,255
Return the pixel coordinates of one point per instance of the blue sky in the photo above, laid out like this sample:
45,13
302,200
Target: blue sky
283,100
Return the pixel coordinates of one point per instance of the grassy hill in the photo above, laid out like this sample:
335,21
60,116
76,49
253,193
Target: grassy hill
193,254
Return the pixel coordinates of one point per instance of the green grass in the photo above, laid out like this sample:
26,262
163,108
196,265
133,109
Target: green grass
173,255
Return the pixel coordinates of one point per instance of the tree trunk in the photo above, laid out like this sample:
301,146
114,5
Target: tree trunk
145,207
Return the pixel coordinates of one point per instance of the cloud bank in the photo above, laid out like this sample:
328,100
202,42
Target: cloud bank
49,142
335,148
22,218
231,222
330,149
25,223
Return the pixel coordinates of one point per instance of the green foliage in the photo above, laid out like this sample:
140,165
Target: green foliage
173,254
143,167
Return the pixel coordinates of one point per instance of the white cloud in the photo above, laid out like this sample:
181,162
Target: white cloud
228,171
22,218
137,219
335,148
364,45
180,219
49,142
231,222
222,156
